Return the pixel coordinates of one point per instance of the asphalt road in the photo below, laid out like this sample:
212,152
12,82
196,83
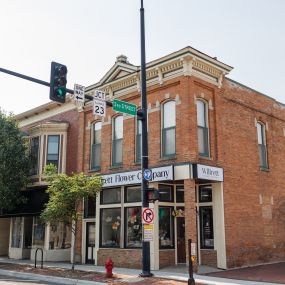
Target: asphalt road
5,280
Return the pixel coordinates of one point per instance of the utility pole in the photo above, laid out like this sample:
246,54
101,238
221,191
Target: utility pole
144,160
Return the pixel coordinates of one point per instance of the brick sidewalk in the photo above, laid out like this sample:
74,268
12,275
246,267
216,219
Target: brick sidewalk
274,273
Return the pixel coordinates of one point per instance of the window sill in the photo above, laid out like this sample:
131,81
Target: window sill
265,169
204,157
94,170
119,166
171,157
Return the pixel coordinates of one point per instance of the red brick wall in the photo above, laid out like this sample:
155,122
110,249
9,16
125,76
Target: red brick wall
166,258
208,257
128,258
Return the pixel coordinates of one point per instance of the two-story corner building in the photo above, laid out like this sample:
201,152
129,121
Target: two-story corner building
52,130
216,150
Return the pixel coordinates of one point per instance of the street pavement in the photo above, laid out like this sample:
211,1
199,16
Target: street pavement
6,280
269,274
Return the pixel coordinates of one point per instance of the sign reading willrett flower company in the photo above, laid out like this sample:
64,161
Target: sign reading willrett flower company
135,177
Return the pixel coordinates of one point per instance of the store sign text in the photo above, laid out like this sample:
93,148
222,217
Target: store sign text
210,172
135,177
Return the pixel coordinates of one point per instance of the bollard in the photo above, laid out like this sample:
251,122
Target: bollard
191,280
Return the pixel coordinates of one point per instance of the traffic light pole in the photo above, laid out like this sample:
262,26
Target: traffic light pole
41,82
144,160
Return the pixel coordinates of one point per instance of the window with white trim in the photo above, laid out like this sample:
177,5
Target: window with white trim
117,141
168,129
262,149
95,145
203,130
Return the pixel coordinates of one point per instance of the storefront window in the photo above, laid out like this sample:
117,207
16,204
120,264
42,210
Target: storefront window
134,227
17,232
205,193
165,193
206,227
38,232
166,239
111,196
60,236
133,194
180,194
110,227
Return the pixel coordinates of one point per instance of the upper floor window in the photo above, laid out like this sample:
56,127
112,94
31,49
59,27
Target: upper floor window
168,129
117,143
203,131
53,150
261,138
34,155
139,141
96,145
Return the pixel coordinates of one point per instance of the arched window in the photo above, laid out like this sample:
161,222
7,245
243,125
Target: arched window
168,129
96,145
262,149
117,141
203,130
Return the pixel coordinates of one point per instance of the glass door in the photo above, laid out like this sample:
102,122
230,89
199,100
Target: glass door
90,242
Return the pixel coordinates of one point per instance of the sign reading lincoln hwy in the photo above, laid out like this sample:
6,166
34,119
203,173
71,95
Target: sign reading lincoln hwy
124,107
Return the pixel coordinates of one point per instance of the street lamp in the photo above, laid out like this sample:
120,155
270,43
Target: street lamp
144,160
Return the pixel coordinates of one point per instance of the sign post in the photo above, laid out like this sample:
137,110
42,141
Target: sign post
144,159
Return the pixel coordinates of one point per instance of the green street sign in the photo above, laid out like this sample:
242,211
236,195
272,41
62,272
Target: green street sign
124,107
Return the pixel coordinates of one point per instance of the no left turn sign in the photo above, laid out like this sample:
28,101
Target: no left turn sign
147,216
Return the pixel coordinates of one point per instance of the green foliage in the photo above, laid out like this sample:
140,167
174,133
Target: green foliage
14,162
66,193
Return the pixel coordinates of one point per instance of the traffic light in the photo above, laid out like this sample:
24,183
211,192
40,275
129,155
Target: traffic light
58,82
152,195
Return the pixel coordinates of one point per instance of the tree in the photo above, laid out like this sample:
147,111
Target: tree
65,195
14,162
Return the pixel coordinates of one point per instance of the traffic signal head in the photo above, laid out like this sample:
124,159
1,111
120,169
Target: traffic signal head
58,82
152,195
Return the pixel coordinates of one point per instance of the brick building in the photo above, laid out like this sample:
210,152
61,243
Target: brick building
216,150
52,131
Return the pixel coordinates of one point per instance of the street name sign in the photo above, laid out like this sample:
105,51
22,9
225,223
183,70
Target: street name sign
79,93
124,107
99,103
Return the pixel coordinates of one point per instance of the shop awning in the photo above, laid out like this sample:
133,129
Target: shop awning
36,199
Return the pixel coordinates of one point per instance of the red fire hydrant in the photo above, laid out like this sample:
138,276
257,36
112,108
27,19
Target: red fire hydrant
109,267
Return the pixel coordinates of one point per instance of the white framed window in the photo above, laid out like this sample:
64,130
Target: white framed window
95,158
262,148
117,141
203,130
168,129
53,143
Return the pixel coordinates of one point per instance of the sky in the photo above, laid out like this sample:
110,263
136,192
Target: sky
88,35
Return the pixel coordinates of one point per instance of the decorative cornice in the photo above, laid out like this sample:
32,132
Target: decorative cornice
187,62
49,127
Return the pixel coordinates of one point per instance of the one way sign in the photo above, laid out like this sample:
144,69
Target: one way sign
79,93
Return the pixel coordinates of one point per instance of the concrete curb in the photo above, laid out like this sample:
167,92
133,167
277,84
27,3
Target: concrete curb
46,278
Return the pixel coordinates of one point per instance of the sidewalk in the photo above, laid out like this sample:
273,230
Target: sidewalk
131,275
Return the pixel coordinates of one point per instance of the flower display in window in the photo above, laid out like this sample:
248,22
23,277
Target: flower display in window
178,213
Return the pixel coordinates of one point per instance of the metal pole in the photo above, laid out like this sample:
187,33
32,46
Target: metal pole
45,83
191,280
144,159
